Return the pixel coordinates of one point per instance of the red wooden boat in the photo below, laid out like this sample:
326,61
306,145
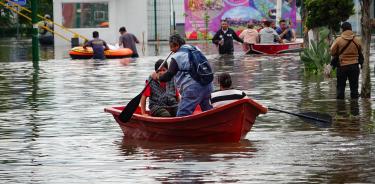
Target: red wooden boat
275,48
228,123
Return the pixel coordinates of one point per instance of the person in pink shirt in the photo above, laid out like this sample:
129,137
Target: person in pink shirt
249,36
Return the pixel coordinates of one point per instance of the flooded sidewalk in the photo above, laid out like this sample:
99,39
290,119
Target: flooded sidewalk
53,128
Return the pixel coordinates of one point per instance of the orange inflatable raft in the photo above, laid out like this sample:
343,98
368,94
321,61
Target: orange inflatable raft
80,53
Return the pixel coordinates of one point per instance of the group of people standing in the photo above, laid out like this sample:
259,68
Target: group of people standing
174,92
223,38
347,48
126,40
268,33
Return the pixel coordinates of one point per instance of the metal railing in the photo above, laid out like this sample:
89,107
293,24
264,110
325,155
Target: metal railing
43,18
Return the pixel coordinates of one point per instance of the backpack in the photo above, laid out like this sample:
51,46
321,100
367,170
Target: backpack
200,69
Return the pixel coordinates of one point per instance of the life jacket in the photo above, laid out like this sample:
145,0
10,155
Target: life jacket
182,78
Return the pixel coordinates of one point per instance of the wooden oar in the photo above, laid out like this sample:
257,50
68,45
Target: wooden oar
323,120
130,108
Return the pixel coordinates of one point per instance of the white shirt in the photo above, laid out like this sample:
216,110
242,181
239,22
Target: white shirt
223,97
268,35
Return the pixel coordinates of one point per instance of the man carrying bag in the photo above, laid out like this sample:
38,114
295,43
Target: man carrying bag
347,53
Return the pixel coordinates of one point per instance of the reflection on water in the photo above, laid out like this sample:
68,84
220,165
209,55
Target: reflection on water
199,152
53,128
187,154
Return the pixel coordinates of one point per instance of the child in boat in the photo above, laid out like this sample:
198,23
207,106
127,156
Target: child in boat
226,94
268,35
98,46
163,96
249,36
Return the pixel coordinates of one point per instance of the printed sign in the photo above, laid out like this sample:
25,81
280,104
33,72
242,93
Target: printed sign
203,17
20,2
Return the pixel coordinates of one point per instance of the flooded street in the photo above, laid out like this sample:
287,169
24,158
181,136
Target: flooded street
53,128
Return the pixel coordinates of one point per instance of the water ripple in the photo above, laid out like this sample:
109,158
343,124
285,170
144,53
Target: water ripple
53,128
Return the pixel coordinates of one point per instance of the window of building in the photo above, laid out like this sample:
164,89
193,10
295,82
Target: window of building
85,15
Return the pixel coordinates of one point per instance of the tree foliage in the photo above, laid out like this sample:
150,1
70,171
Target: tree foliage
299,3
5,17
328,13
366,40
44,7
316,56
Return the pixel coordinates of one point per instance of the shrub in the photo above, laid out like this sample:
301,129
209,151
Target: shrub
318,54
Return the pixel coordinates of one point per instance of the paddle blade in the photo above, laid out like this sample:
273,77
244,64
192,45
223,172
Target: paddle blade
319,119
130,108
316,118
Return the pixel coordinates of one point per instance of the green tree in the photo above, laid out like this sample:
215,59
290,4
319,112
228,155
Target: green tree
6,17
44,7
323,13
317,55
328,13
366,39
303,12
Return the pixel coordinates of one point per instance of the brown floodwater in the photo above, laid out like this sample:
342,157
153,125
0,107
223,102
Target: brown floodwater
53,128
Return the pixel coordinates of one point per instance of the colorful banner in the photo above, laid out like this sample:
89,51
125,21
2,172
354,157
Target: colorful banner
203,17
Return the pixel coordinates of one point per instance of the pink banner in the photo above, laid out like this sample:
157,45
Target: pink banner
202,17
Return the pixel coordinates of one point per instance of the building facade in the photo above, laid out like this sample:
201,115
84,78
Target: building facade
104,16
149,20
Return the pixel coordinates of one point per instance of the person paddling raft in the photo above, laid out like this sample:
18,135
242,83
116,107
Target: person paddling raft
98,46
128,40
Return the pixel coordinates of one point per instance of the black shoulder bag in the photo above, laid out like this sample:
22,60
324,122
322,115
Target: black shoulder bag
335,62
360,55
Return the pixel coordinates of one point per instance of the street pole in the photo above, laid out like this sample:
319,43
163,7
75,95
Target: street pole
174,20
35,42
18,23
170,17
155,21
279,6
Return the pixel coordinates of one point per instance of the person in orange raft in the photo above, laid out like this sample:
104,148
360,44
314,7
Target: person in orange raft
98,46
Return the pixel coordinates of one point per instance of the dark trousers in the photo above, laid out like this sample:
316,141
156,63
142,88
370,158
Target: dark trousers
165,112
135,55
344,73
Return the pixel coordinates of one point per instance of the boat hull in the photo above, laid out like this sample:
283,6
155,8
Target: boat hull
275,48
80,53
229,123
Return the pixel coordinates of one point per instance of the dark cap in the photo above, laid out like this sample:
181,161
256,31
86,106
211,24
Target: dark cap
346,26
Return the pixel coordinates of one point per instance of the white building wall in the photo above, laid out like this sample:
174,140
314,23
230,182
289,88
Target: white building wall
130,13
133,15
180,11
